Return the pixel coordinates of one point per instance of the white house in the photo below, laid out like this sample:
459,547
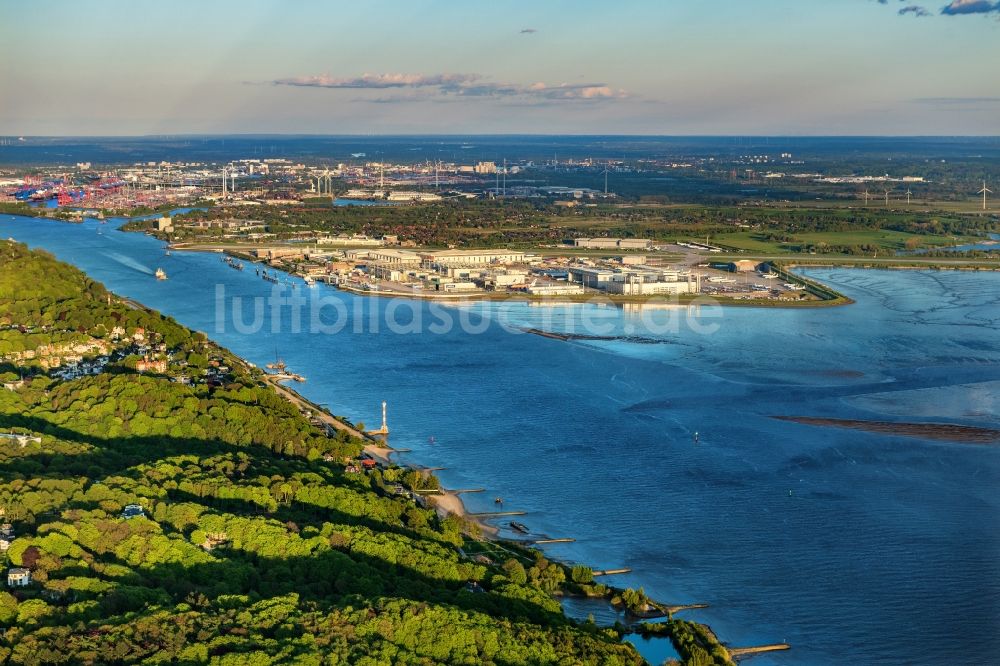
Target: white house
18,577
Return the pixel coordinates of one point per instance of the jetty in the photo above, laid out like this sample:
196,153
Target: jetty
467,490
744,652
498,514
682,607
613,572
539,542
286,376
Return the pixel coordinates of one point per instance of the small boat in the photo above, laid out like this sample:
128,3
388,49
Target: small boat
278,363
498,500
167,253
518,527
160,275
309,280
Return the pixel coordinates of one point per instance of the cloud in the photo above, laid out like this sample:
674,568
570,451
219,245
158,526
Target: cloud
957,7
425,87
563,91
379,81
957,100
528,31
953,8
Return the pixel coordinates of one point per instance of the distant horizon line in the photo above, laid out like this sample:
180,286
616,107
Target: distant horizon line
492,134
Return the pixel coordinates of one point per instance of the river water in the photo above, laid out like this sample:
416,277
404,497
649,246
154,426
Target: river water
854,547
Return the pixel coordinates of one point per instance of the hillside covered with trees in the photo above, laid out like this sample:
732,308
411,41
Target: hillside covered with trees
163,504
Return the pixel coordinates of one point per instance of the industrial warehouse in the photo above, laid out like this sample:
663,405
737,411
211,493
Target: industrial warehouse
465,273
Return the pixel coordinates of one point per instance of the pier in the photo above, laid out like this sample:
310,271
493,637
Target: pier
539,542
286,376
743,653
613,572
498,514
683,607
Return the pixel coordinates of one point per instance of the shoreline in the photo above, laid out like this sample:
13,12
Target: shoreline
447,502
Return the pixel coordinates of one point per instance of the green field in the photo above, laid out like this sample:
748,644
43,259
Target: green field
755,241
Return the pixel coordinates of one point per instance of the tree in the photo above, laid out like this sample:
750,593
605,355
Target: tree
515,571
582,574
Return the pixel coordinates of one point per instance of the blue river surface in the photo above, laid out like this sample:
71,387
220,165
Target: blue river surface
853,547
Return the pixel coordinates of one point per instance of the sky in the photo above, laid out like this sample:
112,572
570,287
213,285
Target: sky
661,67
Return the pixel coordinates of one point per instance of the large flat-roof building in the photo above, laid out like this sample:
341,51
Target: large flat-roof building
595,278
350,241
614,243
472,257
635,288
395,257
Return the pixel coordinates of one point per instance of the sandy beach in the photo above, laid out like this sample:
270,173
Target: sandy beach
450,503
379,453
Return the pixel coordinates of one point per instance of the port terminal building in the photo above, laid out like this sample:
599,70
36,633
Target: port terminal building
637,281
614,243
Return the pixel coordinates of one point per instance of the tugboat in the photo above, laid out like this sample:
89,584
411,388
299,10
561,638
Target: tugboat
518,527
160,275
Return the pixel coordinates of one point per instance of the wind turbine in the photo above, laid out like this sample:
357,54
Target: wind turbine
887,198
606,179
908,194
984,192
867,194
